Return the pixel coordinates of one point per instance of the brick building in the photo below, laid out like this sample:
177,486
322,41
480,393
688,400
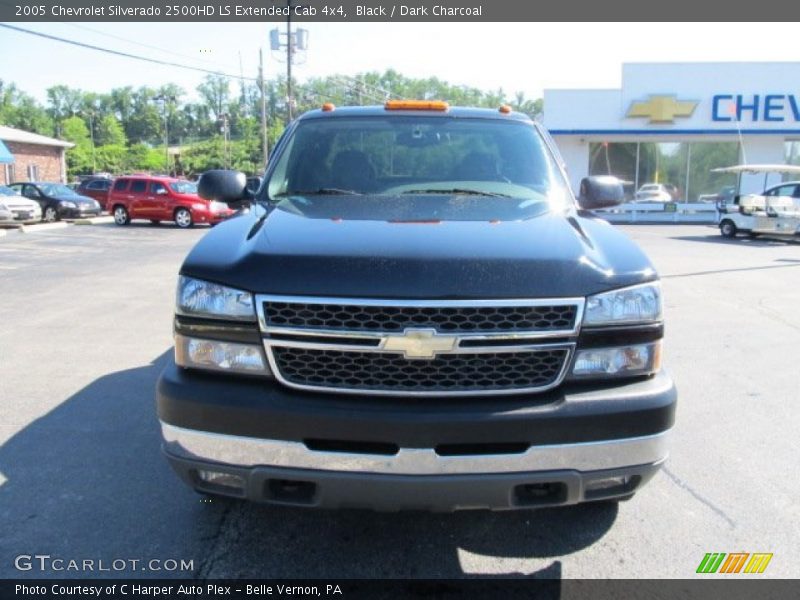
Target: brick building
26,156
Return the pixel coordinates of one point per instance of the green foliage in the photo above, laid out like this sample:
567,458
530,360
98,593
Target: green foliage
18,109
221,129
108,131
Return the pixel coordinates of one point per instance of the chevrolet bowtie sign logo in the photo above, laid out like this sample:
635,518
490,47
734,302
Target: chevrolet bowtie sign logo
420,343
661,109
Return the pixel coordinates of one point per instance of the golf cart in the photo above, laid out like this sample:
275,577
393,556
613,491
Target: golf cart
775,212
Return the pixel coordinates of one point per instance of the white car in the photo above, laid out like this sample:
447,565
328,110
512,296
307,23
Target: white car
655,192
17,208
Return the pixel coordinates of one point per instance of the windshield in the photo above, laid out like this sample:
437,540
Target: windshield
56,189
441,160
183,187
7,191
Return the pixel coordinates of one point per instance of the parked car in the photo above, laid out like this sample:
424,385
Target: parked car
722,197
58,201
14,207
163,199
657,192
98,188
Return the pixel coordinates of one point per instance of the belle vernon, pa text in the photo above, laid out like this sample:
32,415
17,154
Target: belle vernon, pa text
213,590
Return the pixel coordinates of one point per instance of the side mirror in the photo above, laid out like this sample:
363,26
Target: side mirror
223,185
253,185
600,191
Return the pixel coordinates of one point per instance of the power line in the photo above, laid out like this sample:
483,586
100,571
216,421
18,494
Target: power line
129,41
123,54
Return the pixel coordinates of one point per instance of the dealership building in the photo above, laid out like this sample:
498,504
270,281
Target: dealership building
672,123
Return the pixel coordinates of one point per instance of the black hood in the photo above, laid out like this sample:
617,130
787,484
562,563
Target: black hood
380,253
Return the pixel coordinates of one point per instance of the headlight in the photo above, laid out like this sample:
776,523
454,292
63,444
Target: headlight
68,204
624,361
196,298
637,304
219,356
3,206
218,206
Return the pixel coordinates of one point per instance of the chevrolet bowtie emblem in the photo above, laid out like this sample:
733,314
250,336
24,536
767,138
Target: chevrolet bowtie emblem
661,109
419,343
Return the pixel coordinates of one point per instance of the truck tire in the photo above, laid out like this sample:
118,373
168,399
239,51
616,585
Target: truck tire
728,229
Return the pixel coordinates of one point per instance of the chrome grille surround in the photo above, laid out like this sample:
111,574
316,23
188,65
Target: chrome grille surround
397,349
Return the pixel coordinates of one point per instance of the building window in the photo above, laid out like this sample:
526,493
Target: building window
10,173
683,168
33,172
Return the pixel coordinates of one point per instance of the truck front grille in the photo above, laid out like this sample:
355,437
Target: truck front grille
419,347
445,373
348,317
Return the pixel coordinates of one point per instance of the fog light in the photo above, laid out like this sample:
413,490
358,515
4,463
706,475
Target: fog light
640,359
608,483
220,479
219,356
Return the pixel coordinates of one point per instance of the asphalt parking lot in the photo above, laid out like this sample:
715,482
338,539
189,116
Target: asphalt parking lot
85,327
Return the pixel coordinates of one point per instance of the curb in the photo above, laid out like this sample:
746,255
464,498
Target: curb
93,221
42,227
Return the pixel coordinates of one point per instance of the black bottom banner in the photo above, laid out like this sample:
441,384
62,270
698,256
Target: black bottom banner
433,589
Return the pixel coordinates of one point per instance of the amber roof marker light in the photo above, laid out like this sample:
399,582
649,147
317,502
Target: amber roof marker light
437,105
328,107
505,109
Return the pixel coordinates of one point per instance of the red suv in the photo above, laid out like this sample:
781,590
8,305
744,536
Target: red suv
162,199
98,188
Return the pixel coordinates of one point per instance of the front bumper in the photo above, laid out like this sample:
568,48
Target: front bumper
311,449
77,213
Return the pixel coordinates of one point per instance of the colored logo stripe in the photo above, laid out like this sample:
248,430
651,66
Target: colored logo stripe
734,562
711,562
758,562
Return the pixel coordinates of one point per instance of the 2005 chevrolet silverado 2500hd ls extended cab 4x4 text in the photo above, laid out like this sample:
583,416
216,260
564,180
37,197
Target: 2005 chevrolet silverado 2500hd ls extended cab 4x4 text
416,313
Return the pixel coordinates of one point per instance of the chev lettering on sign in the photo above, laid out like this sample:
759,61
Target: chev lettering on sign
771,108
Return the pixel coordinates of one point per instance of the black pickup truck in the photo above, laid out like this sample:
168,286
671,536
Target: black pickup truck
416,313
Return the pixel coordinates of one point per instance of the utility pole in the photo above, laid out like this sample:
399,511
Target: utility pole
164,99
289,51
90,114
263,89
295,41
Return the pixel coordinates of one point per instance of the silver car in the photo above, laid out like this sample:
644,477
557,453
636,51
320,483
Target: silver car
16,208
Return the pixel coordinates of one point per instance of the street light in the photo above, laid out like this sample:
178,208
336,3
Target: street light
223,122
164,98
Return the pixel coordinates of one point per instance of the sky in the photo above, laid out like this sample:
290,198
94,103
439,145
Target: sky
517,57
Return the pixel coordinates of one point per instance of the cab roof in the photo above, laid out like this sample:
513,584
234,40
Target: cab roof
381,111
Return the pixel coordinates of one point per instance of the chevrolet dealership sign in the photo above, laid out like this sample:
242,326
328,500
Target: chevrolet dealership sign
684,98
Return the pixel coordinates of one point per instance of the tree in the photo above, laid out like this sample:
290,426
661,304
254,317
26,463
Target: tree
19,110
79,158
108,131
216,93
64,102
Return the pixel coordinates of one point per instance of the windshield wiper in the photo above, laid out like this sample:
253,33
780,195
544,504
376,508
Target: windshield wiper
459,191
322,192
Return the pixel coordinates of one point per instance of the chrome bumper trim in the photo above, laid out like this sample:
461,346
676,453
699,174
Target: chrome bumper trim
251,452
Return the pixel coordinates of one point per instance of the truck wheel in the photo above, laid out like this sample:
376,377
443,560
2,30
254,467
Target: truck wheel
50,215
727,228
121,216
183,218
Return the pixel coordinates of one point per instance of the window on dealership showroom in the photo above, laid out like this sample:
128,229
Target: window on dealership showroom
684,167
792,155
